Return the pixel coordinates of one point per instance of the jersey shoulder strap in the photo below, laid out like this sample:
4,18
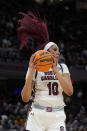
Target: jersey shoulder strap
61,67
36,74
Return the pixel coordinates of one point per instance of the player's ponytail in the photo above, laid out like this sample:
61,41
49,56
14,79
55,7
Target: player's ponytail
32,26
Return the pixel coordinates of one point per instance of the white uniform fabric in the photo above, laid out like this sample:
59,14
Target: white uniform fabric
40,120
48,94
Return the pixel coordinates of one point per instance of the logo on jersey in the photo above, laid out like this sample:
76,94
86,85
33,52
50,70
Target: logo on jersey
49,76
61,128
32,113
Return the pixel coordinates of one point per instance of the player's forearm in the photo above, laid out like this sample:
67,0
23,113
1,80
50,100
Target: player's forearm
26,91
65,84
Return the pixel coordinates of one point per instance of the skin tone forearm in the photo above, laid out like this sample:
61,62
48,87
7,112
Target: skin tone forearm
65,81
26,91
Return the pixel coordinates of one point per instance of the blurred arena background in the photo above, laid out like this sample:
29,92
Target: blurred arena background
67,24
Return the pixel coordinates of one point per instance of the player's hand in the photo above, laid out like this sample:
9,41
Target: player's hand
32,63
54,63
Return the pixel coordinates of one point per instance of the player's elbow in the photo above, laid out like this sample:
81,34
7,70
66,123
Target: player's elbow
70,92
25,98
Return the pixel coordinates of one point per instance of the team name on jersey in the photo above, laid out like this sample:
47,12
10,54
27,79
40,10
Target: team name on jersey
49,76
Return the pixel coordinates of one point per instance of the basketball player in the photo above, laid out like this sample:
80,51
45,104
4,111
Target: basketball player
47,113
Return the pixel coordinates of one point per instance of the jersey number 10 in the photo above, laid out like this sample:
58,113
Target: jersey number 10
53,88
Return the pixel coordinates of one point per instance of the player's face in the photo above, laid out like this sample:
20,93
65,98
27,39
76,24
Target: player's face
54,50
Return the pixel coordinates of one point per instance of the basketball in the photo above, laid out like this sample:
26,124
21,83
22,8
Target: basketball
45,60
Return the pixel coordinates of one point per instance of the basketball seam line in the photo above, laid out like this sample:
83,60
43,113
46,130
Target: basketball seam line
44,65
41,58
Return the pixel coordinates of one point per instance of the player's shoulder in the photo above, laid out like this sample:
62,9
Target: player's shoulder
64,68
64,65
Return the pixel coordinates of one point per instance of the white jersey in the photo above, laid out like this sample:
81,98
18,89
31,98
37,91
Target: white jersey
48,91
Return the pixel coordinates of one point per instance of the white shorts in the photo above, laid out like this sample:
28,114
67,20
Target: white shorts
41,120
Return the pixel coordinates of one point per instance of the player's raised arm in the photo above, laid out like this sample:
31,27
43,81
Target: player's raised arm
64,79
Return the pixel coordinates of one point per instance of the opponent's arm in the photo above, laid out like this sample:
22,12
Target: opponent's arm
64,80
29,83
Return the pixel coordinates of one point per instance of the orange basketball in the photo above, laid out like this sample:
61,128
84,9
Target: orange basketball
45,60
